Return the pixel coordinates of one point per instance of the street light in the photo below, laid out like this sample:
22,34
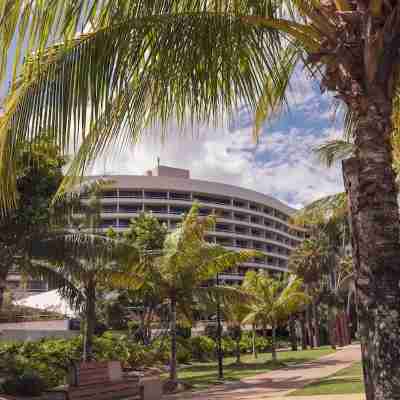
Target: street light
219,336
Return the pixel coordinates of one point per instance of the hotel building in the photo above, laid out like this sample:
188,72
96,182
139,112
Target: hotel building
246,219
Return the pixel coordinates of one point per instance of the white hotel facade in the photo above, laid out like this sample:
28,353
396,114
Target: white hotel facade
245,219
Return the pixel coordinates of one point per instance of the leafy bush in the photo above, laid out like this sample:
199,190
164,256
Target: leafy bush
228,345
183,355
49,359
28,384
202,348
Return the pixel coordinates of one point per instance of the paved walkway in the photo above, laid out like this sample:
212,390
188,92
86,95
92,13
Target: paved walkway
278,383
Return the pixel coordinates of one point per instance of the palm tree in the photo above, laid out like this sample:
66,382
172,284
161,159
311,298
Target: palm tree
274,301
323,258
309,261
181,269
128,64
84,259
235,314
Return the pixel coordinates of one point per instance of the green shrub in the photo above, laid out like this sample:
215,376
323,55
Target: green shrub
246,343
202,348
111,347
27,384
183,355
228,345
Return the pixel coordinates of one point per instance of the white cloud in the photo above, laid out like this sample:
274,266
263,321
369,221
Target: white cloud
282,164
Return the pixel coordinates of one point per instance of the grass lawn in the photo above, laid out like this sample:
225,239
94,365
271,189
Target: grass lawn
346,381
202,375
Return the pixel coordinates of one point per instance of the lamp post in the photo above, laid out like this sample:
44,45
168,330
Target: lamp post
219,337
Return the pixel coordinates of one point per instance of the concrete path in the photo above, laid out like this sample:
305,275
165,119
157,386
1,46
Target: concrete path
278,383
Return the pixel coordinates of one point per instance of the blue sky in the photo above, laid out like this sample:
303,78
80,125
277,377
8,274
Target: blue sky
281,164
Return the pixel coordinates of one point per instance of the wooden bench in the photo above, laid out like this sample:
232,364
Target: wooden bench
102,381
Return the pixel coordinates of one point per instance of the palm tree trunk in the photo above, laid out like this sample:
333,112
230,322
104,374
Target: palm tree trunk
304,344
370,184
309,328
4,270
173,375
292,332
2,288
238,348
90,321
332,327
273,343
254,342
315,324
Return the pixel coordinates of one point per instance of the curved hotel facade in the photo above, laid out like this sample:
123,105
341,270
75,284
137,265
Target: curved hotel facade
245,219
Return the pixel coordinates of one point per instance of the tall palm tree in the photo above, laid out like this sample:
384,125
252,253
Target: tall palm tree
323,259
235,314
273,301
309,261
84,259
182,269
130,64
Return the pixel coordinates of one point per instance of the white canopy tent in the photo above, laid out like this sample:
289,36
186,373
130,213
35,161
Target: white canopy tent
48,301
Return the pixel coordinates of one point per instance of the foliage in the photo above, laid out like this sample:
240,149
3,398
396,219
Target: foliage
149,34
179,270
146,233
39,173
310,260
113,314
273,300
202,348
27,384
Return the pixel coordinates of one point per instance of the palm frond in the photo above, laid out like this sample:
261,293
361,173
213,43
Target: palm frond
334,150
117,79
56,279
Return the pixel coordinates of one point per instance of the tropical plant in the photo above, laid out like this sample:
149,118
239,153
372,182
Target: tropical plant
129,64
144,234
86,259
181,269
274,301
309,261
320,260
39,173
235,314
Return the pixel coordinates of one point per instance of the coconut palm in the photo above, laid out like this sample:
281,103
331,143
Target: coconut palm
103,65
181,269
235,314
84,258
322,261
273,301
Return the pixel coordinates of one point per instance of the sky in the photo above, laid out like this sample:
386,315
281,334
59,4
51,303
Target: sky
281,164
